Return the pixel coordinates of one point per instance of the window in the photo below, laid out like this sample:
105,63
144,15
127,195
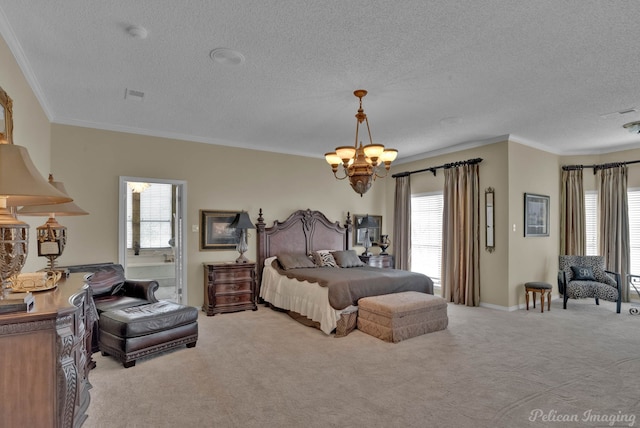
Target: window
149,216
591,222
426,234
633,199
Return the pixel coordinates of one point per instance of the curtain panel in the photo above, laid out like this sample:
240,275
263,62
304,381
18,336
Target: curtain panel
613,225
402,223
461,235
572,214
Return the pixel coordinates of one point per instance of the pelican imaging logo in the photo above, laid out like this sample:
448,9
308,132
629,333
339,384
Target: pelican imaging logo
617,419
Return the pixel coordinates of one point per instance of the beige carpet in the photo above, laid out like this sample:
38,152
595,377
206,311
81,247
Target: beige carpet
490,368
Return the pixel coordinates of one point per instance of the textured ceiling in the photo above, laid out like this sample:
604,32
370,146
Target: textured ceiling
440,74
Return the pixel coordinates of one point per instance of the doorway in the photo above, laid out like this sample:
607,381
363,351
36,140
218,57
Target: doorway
152,234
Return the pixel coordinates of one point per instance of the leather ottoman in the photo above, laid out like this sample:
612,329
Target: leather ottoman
130,333
399,316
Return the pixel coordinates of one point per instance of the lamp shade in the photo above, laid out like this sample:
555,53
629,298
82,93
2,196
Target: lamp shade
21,183
242,221
367,222
64,209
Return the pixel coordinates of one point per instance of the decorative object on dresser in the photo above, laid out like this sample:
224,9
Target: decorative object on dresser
384,244
215,230
229,287
361,165
240,224
45,358
20,184
52,236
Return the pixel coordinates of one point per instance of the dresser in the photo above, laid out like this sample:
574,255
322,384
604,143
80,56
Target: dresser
45,358
379,260
229,287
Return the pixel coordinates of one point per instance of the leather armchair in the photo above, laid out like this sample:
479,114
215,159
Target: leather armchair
111,291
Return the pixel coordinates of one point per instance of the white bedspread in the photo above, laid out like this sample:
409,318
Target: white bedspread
305,298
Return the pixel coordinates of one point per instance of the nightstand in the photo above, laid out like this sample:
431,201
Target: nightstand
229,287
380,260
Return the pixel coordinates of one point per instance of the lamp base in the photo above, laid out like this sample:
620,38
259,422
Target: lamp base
242,259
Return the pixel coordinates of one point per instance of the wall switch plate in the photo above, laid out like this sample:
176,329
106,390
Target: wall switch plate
195,228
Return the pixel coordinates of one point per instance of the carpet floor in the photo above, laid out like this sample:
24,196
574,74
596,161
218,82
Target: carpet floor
489,368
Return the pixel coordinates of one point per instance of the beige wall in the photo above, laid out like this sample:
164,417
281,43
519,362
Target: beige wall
90,161
31,129
531,258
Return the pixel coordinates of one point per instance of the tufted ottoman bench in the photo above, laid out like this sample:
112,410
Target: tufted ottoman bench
399,316
130,333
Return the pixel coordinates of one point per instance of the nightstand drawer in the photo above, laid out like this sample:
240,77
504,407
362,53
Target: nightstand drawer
233,299
231,275
231,287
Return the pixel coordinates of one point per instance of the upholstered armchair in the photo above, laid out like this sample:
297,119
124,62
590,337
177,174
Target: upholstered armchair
585,276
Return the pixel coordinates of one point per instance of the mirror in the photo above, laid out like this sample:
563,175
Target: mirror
6,118
490,236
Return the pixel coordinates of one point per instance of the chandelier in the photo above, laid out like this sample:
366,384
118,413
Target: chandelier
361,164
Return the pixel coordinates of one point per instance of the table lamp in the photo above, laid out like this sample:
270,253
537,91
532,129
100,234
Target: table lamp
20,185
366,223
241,223
52,236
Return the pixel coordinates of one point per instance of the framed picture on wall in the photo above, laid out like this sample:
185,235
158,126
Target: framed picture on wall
536,215
215,233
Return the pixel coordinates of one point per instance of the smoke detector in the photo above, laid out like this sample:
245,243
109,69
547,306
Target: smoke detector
226,56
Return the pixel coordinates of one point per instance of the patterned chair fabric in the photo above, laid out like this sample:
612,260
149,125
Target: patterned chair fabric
606,285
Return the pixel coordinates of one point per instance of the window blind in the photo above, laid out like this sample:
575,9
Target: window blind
426,234
156,211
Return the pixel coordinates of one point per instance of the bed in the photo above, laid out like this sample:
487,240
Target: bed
315,295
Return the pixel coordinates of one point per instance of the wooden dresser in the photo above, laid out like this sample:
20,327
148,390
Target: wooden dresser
382,261
45,358
229,287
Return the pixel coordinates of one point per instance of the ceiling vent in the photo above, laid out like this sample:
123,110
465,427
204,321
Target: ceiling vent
130,94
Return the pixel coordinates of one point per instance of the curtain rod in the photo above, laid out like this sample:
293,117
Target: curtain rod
597,167
433,168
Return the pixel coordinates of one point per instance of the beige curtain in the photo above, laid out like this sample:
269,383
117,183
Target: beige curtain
613,228
572,214
461,235
402,223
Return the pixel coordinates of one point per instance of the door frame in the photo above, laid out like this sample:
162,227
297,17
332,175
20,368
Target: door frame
181,232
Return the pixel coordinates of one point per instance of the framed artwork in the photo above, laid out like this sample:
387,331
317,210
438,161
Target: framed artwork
536,215
215,233
359,233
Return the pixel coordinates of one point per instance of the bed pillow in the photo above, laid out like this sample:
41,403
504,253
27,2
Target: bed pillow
347,259
324,258
295,261
583,273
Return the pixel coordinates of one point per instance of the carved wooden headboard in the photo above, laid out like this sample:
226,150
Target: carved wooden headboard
304,231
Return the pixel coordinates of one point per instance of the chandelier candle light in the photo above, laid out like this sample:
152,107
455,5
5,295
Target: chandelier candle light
361,164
